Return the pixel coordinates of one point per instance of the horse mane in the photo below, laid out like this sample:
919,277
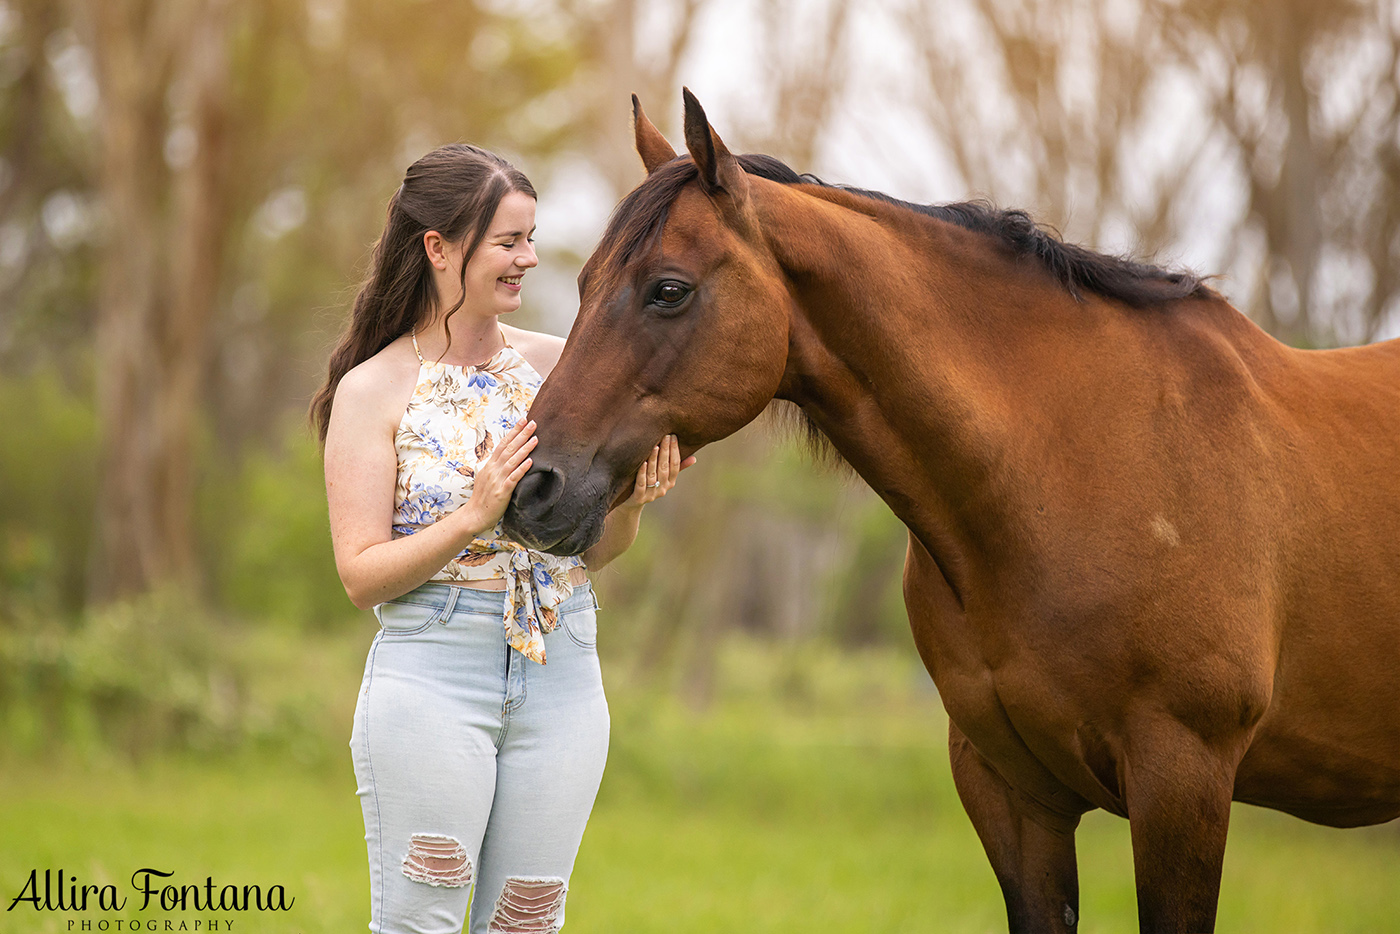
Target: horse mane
639,217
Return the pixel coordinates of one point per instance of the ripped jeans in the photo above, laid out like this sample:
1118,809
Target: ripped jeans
477,768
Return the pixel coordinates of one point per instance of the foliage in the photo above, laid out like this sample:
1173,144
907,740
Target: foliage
154,674
267,536
47,470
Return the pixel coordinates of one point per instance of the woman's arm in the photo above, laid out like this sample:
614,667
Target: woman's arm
361,470
655,479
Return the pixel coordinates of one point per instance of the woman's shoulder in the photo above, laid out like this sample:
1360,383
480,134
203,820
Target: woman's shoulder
540,350
384,383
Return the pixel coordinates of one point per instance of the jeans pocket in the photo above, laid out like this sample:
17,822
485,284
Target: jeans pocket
581,625
406,619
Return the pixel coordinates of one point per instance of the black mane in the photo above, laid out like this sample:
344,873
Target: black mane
638,220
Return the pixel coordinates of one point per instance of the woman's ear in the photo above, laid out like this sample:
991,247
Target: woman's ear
436,248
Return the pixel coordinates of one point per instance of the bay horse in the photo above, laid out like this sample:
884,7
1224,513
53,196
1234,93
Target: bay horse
1154,554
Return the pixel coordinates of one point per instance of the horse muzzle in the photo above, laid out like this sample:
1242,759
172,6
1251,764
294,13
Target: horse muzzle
544,514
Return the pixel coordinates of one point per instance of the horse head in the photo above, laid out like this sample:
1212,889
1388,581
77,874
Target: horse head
682,329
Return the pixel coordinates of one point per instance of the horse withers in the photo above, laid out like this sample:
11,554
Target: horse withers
1154,554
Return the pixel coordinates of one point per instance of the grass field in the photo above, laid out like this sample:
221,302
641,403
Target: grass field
806,810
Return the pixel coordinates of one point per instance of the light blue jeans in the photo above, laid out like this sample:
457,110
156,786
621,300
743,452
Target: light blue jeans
477,768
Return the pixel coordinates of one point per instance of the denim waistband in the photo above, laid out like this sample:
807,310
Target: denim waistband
439,594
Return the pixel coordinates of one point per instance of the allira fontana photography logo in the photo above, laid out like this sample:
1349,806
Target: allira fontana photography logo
151,891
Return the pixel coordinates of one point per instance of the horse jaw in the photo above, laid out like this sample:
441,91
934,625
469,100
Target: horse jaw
545,515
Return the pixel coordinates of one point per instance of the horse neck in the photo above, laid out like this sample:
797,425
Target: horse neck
909,346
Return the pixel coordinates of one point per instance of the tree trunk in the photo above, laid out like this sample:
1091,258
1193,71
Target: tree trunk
160,263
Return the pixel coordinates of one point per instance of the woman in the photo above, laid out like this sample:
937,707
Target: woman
481,728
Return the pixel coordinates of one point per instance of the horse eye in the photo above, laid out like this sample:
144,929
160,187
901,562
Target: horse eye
670,293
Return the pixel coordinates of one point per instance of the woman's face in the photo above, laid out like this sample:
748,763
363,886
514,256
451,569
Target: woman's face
493,275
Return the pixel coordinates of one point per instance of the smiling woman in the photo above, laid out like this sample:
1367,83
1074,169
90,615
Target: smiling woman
474,798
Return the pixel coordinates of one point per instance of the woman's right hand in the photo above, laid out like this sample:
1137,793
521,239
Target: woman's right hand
497,476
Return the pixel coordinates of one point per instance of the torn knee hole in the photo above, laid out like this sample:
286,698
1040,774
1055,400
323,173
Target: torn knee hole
529,906
437,860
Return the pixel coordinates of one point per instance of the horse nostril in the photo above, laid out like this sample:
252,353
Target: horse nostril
539,489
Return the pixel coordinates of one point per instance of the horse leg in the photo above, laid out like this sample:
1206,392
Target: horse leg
1178,792
1031,850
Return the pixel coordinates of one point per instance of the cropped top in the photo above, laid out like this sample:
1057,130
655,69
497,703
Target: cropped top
454,420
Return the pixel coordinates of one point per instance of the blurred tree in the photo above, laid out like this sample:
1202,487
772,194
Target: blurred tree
1308,95
1127,122
1038,103
804,61
637,48
228,164
162,185
45,216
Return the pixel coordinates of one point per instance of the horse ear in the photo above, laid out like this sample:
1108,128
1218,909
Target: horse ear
719,170
651,145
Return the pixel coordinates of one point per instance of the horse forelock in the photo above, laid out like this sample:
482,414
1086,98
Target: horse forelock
637,220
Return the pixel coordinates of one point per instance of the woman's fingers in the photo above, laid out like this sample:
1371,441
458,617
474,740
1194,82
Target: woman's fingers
666,456
520,470
673,462
657,474
517,436
520,453
511,435
663,467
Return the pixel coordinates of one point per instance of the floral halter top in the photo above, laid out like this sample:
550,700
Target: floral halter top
455,419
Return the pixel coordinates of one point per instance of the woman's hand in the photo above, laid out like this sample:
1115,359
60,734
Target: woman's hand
497,476
656,477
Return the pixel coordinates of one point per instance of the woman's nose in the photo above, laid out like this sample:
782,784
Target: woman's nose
527,258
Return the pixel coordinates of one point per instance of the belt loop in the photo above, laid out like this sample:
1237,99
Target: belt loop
452,594
593,592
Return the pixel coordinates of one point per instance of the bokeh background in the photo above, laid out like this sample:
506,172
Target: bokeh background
189,190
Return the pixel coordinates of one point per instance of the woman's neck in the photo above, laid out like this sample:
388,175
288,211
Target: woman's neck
474,339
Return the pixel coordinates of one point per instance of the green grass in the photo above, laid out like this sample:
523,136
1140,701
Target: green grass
819,803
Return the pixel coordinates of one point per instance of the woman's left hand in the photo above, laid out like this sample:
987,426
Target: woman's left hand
656,477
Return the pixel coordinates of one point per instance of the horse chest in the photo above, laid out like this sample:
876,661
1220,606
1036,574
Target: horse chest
1027,739
1007,699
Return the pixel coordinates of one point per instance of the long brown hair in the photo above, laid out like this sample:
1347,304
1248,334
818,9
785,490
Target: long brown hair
454,190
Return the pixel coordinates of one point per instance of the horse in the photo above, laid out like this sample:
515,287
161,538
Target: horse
1154,554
